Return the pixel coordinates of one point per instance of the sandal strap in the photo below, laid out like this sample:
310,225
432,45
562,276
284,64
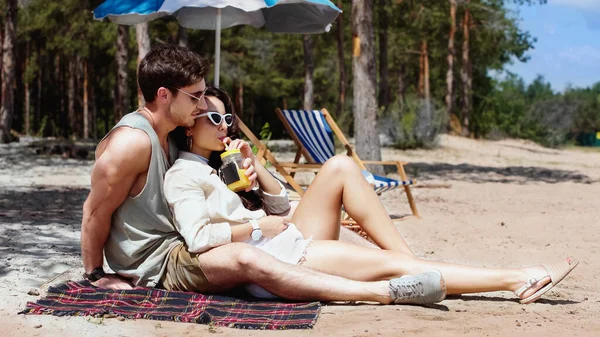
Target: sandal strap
526,286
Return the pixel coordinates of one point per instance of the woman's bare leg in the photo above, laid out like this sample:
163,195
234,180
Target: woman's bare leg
367,264
341,181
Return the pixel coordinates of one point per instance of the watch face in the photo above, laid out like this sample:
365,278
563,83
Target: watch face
256,234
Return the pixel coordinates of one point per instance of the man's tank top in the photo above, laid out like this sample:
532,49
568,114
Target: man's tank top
142,232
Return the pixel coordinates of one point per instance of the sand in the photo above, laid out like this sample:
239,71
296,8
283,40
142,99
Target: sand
492,203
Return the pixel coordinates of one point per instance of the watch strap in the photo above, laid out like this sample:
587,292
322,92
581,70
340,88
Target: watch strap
95,275
256,233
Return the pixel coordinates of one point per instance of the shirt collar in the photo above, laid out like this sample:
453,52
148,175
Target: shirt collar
196,158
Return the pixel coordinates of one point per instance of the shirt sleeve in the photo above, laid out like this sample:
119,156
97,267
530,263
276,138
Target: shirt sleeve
188,203
276,203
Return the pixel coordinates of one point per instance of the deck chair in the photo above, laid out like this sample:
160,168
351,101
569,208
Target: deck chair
312,132
287,170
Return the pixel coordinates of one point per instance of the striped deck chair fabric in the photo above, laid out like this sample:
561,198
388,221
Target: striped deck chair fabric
314,132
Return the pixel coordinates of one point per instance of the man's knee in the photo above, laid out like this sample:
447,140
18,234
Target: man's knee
254,261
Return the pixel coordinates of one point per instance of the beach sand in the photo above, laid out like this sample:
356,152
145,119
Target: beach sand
503,203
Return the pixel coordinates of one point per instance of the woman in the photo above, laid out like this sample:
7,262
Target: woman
208,215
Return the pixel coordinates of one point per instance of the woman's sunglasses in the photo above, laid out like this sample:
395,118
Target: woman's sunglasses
216,118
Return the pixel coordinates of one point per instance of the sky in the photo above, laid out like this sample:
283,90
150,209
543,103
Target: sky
567,50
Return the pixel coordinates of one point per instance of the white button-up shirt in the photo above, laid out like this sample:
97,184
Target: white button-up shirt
204,209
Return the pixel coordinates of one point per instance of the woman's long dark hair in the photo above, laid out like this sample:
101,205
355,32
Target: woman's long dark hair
251,200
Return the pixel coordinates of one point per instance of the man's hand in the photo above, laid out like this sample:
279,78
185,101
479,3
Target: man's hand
113,281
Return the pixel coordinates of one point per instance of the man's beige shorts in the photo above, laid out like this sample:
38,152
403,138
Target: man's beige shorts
183,272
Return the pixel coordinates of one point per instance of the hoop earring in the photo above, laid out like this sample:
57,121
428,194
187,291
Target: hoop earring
189,143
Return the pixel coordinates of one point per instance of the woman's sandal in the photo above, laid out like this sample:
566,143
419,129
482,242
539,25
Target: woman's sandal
556,272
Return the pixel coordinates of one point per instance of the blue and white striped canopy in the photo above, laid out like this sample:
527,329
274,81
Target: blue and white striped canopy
279,16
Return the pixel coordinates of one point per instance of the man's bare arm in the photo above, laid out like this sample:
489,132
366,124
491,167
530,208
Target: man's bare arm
126,156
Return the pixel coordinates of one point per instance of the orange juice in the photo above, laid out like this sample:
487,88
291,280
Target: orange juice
242,184
232,172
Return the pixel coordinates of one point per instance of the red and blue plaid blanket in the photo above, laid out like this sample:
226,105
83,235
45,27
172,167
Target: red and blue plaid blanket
83,299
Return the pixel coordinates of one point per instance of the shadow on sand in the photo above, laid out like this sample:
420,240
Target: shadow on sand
488,174
39,223
468,298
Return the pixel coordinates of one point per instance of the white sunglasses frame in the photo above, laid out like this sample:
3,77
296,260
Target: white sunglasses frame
211,113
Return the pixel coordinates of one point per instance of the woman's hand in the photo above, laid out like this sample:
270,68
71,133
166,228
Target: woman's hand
242,145
250,173
272,225
249,160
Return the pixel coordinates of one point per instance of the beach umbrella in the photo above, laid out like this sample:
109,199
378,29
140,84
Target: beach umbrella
278,16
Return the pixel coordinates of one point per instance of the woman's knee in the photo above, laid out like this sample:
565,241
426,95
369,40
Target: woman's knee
339,164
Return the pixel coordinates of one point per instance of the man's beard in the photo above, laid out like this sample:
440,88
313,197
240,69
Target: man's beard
177,119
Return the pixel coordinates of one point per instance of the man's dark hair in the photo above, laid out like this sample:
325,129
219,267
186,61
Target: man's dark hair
172,67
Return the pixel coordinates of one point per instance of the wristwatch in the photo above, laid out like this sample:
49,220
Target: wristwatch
95,275
256,231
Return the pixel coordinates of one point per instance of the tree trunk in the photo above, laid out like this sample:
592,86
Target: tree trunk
239,99
308,73
428,113
422,65
450,57
1,53
402,85
27,88
182,37
86,117
38,97
79,96
122,94
63,92
384,88
341,62
465,74
143,41
364,105
8,71
94,112
425,55
57,116
71,98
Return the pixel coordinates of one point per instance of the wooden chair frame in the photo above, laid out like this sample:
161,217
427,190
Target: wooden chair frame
311,165
287,169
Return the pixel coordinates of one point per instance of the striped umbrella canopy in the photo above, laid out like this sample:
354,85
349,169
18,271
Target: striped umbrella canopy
278,16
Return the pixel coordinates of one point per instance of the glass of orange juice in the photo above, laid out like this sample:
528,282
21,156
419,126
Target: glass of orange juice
232,171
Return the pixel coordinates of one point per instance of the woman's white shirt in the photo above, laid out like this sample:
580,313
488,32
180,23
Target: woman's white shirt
204,209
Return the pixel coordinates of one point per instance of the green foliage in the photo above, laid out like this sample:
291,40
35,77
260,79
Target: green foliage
415,124
265,132
269,70
265,135
536,112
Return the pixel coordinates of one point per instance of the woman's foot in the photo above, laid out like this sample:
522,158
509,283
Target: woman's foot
425,288
543,278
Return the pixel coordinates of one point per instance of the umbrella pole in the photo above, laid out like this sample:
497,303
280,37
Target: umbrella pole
217,47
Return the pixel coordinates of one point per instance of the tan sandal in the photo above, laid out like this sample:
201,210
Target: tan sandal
556,272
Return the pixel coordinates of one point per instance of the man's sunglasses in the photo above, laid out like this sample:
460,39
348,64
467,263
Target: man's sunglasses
198,99
216,118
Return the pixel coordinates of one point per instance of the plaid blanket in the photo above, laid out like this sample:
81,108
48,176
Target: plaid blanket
82,299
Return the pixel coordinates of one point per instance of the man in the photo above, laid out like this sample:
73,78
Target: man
127,217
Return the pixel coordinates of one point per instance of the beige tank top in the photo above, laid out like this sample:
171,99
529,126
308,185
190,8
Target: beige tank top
142,232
